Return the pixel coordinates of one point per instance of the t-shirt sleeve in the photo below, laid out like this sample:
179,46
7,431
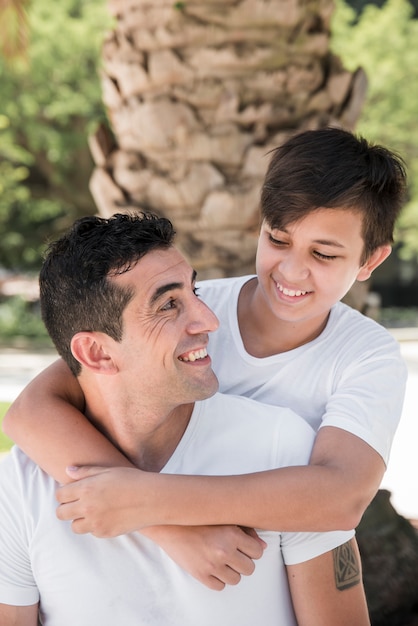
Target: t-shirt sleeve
17,584
368,398
300,547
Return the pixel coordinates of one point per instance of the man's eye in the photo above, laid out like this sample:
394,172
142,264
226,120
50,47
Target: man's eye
325,257
196,291
171,304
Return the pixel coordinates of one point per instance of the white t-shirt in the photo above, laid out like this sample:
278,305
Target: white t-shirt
352,376
129,580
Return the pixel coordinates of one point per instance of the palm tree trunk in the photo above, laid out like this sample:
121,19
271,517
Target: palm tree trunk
197,93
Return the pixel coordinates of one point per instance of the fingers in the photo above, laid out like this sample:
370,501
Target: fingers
252,533
227,577
250,543
71,498
230,564
65,494
213,583
242,565
81,525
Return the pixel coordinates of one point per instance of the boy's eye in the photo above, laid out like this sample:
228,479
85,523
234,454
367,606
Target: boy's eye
277,242
325,257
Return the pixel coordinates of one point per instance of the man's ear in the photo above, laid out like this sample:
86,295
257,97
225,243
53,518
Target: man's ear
91,350
376,259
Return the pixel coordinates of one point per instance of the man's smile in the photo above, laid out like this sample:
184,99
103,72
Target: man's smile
194,355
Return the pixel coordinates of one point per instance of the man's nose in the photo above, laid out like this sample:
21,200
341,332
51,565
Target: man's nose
203,319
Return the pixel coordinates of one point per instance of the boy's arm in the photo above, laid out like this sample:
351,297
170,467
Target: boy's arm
328,590
18,615
329,494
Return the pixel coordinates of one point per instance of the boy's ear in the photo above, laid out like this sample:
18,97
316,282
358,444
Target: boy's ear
91,350
379,255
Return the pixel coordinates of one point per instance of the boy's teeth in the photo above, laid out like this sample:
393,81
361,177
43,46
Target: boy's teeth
290,292
194,356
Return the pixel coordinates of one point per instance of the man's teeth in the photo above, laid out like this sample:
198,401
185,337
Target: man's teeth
194,356
290,292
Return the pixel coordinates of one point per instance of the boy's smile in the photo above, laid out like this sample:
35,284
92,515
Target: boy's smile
305,268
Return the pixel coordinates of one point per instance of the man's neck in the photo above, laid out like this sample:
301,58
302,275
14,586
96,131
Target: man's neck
147,440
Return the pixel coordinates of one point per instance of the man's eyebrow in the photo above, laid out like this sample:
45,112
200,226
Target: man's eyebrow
160,291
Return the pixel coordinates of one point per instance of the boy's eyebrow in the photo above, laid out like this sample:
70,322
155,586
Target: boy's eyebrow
329,242
160,291
323,242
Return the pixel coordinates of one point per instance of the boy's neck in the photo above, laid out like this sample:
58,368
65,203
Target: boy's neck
263,334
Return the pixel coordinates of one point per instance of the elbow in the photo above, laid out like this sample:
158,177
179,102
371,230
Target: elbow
350,513
9,421
350,520
5,427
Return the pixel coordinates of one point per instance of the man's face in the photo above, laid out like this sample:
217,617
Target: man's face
163,354
306,267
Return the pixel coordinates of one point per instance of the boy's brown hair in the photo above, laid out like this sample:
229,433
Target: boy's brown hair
333,168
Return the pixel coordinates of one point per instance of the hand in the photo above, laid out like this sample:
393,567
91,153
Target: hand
215,555
103,501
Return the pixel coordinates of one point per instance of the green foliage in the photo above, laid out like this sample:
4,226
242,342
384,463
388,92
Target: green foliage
5,442
49,102
383,42
21,324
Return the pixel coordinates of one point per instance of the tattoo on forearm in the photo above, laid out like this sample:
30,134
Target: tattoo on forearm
346,567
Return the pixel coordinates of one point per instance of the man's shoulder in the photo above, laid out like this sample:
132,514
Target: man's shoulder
247,410
18,468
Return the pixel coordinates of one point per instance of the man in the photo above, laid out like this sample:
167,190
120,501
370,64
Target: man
119,302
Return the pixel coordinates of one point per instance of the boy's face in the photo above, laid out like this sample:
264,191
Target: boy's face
162,355
304,269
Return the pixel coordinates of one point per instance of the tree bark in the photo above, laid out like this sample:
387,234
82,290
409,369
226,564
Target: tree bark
197,94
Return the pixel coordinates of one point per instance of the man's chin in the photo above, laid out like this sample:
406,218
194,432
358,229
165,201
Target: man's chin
209,390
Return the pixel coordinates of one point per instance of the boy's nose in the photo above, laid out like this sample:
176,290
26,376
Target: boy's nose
293,267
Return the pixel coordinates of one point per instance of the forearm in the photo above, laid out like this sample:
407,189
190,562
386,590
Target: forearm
287,499
329,494
115,501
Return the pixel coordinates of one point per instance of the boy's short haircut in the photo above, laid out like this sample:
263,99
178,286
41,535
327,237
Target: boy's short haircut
333,168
